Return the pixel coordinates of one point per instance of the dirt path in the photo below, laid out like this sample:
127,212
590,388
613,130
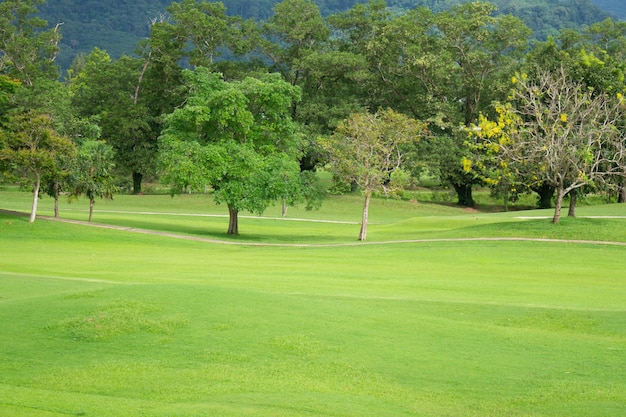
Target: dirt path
313,245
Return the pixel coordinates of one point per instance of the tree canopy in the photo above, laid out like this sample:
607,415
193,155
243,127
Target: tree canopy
237,138
557,132
368,150
116,25
243,109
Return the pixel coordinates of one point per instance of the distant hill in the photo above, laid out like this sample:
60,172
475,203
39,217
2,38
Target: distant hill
117,25
615,7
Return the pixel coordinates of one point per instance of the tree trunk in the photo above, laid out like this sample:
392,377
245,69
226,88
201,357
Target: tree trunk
33,211
284,210
546,192
366,208
464,194
233,223
621,194
505,201
557,207
137,178
56,199
573,199
92,201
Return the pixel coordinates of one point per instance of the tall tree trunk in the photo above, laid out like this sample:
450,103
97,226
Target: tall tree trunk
233,223
464,194
621,194
137,178
284,210
505,201
573,199
559,203
546,192
56,199
366,208
92,201
33,211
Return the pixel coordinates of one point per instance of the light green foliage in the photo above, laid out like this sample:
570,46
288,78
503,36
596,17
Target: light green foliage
236,138
367,150
31,148
8,86
92,175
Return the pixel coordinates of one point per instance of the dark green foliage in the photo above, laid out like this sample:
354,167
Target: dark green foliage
116,25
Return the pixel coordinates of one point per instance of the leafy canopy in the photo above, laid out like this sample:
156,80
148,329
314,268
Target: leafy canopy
235,137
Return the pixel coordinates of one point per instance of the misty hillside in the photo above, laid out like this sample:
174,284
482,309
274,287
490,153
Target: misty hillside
117,25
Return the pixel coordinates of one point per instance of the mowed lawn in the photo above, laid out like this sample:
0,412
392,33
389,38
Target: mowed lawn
100,322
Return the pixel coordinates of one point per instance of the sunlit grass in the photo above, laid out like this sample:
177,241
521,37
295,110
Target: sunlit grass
107,322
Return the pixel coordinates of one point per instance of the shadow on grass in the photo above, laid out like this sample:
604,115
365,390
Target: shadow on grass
265,232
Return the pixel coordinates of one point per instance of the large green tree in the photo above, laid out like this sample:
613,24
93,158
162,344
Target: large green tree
446,68
27,49
237,138
105,91
295,42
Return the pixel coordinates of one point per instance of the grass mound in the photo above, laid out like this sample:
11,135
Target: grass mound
101,322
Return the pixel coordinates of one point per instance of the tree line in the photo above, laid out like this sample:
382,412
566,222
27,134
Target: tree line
117,25
251,109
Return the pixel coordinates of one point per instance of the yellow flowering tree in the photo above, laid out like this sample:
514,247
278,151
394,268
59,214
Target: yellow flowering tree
555,132
487,139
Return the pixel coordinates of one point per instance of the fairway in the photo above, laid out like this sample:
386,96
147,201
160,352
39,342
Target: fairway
104,322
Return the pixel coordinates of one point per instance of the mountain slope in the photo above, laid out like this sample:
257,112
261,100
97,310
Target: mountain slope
614,7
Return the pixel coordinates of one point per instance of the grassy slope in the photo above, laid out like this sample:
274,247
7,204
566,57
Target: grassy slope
108,323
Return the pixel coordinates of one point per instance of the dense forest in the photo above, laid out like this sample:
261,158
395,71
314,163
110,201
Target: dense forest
250,109
117,25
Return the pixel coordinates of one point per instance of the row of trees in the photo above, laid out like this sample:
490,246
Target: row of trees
251,109
117,25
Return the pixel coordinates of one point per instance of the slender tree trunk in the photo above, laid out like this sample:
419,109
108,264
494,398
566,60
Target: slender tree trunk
284,211
464,194
92,201
366,208
233,223
56,199
33,211
546,192
573,199
557,207
506,200
621,194
137,178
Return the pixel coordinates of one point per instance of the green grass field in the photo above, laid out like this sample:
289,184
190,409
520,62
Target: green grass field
101,322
